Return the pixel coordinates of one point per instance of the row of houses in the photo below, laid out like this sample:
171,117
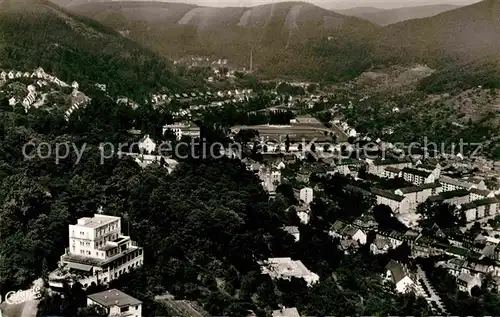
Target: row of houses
38,73
157,98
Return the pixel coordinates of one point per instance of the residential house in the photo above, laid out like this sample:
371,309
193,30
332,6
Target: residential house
98,252
11,75
398,203
19,74
466,282
40,73
286,312
380,245
418,177
270,179
454,266
479,209
3,75
286,268
306,195
116,303
147,144
395,238
400,276
12,101
346,231
377,167
294,231
303,212
29,100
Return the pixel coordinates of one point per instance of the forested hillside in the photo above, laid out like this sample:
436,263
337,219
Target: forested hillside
293,39
300,40
391,16
38,33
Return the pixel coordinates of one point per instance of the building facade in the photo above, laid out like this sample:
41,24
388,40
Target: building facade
116,303
98,252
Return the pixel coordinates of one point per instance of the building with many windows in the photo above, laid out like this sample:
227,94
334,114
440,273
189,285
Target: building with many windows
98,252
182,129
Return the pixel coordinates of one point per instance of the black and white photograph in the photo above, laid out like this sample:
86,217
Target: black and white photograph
251,158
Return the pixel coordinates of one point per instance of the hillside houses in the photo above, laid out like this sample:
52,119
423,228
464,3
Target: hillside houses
348,233
29,100
78,100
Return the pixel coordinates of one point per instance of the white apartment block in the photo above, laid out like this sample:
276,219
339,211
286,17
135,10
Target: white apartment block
98,252
181,129
116,303
306,195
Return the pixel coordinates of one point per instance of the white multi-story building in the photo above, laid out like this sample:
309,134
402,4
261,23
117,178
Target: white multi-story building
116,303
306,195
180,129
98,252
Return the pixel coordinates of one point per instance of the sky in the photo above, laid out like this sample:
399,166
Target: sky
330,4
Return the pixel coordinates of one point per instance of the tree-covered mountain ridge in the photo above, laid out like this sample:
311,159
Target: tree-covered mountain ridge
39,33
301,40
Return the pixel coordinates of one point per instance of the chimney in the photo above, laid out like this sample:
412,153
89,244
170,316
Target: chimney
105,296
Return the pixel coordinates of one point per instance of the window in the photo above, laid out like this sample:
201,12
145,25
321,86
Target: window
124,309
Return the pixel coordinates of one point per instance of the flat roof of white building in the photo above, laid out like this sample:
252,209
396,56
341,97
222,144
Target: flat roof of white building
114,297
97,221
285,267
